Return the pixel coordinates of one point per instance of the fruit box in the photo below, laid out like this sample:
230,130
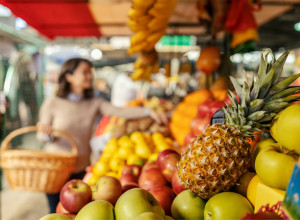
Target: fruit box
267,195
292,198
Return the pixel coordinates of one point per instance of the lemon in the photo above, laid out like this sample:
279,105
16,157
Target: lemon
143,151
286,128
115,164
93,180
124,153
113,174
153,157
100,168
132,158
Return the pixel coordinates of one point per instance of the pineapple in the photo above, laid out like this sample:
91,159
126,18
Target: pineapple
215,160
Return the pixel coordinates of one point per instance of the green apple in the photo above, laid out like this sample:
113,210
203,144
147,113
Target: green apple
261,146
55,216
227,205
149,216
96,210
188,205
134,202
285,128
274,166
169,217
243,182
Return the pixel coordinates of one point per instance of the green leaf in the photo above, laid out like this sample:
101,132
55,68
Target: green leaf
228,118
272,107
278,66
266,84
256,116
256,105
287,92
260,76
233,99
236,86
284,83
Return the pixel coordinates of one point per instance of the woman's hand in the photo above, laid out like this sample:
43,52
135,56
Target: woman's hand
43,128
160,118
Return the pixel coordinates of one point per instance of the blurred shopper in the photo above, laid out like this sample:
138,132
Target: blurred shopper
123,91
74,110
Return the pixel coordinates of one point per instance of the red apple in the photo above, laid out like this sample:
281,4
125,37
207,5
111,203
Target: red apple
60,209
167,162
188,139
129,186
132,169
152,178
107,188
204,108
74,195
128,178
176,184
198,125
165,196
149,165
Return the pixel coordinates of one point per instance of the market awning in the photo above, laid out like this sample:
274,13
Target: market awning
96,18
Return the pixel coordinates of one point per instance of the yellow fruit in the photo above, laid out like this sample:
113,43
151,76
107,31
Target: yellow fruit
137,74
143,151
115,164
143,3
135,14
124,153
111,146
153,157
157,24
105,157
100,169
138,37
251,190
113,174
93,180
137,137
286,128
132,158
125,142
134,48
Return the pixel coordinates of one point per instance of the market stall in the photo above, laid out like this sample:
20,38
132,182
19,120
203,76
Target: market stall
230,149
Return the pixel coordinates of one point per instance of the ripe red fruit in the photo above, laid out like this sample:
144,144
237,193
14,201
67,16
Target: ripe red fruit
262,215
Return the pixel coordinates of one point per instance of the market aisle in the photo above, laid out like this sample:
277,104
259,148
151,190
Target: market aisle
22,205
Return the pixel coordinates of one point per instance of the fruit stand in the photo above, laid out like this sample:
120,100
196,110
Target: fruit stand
245,165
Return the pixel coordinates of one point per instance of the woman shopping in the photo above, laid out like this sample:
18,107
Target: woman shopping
74,110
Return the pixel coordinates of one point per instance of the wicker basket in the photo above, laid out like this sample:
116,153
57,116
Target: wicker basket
37,170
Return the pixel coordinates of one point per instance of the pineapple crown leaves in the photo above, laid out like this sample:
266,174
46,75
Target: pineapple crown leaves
259,101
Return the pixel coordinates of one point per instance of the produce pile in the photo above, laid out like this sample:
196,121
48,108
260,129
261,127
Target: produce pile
119,126
136,148
148,19
219,175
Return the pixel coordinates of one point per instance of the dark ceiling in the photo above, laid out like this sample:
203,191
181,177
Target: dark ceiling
279,32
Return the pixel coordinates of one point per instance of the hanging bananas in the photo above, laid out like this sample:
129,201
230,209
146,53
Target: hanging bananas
148,19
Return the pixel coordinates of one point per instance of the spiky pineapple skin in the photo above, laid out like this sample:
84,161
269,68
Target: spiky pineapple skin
214,161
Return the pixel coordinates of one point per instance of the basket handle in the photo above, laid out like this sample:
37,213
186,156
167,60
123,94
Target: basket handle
59,133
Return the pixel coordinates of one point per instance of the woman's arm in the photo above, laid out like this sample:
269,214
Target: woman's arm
131,112
45,121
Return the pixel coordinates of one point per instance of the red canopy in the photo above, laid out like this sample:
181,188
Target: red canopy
56,17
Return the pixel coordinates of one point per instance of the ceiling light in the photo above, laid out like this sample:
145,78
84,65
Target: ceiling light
96,54
297,26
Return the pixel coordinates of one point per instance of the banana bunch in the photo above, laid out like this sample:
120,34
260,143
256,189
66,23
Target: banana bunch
145,65
148,19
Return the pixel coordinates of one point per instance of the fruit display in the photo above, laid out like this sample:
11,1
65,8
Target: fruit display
215,160
119,126
185,112
136,148
218,176
149,21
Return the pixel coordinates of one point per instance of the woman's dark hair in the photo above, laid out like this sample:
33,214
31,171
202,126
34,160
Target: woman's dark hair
69,67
